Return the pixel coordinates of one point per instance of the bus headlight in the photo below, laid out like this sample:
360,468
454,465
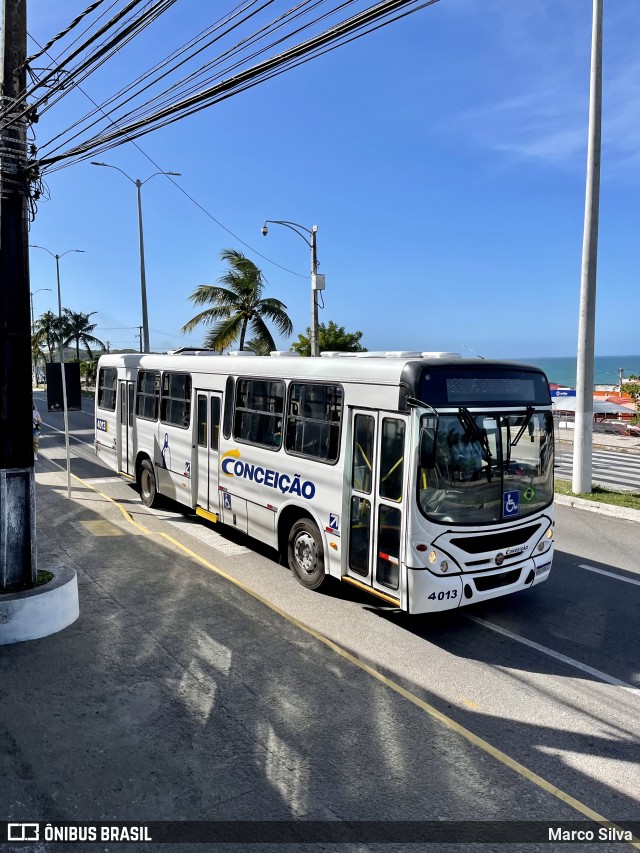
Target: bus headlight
546,541
433,557
444,566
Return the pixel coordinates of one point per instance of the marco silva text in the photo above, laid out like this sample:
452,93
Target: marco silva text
605,833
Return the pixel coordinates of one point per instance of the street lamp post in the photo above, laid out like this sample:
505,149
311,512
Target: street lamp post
32,293
143,277
62,368
317,281
57,260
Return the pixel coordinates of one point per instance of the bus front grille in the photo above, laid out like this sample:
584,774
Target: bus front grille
496,581
496,541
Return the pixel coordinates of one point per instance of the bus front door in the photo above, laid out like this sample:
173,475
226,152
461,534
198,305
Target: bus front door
377,500
204,474
126,452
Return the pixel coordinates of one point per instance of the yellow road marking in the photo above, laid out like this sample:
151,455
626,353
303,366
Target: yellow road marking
100,527
451,724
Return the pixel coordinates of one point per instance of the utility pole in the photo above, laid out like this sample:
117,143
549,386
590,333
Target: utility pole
139,335
583,434
143,275
17,486
620,372
314,343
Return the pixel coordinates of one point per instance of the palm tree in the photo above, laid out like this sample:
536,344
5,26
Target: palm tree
48,332
237,306
258,346
78,328
89,370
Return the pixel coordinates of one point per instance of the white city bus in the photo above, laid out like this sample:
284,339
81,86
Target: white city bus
423,478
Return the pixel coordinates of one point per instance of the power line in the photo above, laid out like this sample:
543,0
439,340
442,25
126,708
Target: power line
345,31
197,203
189,85
129,29
30,59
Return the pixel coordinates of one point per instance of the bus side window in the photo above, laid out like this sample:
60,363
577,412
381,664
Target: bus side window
258,412
175,402
314,420
228,407
391,459
148,394
361,472
215,423
107,379
202,420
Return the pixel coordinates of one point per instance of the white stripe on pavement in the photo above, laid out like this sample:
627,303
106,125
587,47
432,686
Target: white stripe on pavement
596,673
609,574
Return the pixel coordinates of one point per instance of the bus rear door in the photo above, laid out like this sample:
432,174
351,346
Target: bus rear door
206,460
126,452
377,501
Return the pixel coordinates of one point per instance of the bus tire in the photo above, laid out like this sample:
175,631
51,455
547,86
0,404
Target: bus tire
147,484
306,554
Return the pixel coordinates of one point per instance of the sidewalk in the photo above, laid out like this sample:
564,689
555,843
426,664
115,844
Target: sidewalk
624,443
177,695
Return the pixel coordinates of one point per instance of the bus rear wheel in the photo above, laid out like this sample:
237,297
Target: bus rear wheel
306,554
147,484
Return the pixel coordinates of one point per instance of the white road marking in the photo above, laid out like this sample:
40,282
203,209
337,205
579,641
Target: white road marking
61,431
596,673
199,530
609,574
211,538
192,528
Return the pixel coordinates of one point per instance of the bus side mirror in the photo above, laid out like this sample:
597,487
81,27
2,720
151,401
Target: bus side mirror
427,449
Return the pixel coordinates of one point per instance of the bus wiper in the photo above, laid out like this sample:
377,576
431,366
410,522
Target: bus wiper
525,424
472,429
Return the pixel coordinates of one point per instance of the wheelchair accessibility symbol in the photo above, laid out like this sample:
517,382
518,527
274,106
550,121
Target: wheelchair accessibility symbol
227,500
510,504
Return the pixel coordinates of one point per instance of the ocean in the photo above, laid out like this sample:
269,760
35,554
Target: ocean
563,371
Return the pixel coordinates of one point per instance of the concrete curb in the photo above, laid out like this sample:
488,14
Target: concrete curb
602,509
41,611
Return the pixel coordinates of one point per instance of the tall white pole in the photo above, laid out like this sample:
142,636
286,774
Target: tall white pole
33,332
583,435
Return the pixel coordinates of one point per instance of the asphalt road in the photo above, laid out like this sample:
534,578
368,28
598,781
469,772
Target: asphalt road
550,676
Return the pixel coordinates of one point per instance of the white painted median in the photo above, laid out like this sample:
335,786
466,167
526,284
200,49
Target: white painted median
42,611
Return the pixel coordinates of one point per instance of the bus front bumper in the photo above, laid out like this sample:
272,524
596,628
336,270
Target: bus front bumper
429,593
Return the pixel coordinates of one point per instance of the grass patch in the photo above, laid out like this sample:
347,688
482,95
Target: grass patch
601,495
41,578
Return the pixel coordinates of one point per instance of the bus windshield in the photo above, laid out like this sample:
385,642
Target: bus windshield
488,467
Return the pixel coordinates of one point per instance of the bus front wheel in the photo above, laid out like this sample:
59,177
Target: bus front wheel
147,483
306,555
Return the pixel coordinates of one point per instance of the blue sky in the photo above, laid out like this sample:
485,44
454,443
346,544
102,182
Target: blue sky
442,158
